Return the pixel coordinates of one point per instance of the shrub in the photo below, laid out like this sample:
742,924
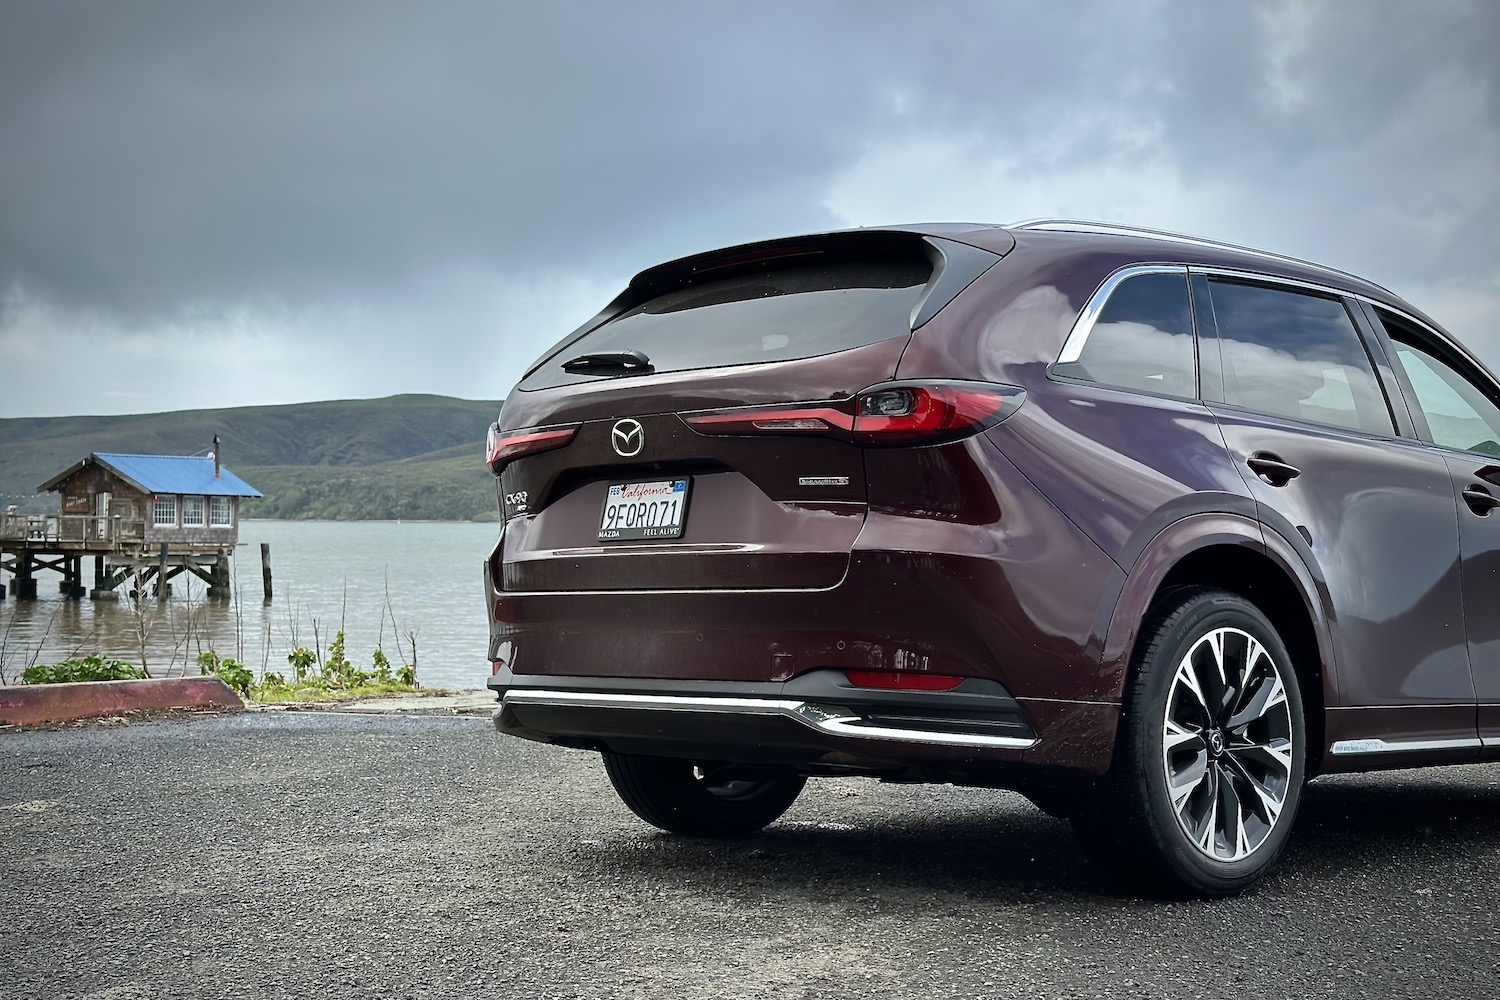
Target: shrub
231,672
89,668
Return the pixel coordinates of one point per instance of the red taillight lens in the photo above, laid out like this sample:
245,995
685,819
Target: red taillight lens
896,413
504,446
915,413
895,680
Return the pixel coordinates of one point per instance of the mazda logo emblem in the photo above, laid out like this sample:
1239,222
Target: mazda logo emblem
628,438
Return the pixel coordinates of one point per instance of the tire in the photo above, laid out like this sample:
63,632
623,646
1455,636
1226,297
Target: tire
1207,774
701,800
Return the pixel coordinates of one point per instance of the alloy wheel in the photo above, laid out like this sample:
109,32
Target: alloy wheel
1227,747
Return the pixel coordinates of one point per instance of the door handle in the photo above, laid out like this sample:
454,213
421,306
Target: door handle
1480,500
1272,469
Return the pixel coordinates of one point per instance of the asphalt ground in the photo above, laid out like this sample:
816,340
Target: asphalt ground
321,855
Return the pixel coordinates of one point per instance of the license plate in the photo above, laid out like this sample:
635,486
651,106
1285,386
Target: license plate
644,510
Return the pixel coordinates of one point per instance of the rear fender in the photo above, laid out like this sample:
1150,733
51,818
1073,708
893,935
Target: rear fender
1178,540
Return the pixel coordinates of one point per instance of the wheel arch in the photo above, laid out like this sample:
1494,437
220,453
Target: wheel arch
1235,554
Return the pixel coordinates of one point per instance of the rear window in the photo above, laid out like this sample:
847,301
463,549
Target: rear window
780,315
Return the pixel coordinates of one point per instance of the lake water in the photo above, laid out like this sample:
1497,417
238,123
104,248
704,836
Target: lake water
323,572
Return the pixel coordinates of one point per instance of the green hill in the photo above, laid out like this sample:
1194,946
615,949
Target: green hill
417,457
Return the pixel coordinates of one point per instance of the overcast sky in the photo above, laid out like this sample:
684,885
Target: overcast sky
206,204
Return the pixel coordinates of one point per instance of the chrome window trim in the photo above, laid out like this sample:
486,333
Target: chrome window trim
1078,336
1072,348
830,719
1344,748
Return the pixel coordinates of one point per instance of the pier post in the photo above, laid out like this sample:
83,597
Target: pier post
103,587
163,589
72,587
24,582
265,569
218,586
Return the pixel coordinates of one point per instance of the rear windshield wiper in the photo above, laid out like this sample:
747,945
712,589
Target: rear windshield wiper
609,363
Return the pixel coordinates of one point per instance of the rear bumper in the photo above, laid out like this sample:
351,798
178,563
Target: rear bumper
818,723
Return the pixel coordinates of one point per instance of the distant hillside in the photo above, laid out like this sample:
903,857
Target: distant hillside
399,457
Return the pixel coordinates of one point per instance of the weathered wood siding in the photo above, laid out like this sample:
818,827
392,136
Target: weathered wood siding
81,490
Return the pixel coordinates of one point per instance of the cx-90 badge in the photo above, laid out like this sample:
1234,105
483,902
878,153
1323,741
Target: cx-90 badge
628,438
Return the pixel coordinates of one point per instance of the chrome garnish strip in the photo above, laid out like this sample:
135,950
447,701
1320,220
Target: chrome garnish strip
1072,348
830,719
1345,747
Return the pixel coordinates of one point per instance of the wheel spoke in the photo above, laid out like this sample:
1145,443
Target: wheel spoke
1203,830
1232,818
1268,801
1276,756
1180,739
1187,680
1182,784
1269,694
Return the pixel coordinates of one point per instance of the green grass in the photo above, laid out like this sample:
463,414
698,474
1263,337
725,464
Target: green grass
277,695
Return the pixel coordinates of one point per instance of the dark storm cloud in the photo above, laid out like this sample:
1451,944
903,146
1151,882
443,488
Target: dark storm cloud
157,153
275,173
162,152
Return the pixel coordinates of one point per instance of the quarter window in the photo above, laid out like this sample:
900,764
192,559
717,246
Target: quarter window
164,512
1297,355
192,512
220,512
1142,339
1459,415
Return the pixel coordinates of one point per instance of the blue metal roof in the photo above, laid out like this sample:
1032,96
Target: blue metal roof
189,475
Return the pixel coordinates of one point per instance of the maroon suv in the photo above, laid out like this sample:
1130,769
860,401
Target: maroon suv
1145,527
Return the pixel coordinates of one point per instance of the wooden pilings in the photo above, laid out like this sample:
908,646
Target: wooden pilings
265,569
22,567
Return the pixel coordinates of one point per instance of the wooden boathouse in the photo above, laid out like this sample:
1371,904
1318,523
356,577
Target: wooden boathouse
145,517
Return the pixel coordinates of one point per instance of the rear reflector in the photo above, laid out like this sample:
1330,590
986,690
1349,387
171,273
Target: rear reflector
504,446
891,414
895,680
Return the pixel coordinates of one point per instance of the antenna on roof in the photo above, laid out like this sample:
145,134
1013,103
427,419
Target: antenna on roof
216,456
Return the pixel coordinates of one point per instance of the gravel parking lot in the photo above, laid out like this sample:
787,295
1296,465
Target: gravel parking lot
322,855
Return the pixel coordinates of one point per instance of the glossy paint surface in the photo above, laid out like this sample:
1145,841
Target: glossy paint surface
1479,541
1026,555
1377,518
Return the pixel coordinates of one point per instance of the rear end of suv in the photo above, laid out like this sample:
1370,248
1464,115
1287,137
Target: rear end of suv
862,504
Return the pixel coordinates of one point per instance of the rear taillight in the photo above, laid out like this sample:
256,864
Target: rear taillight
895,413
896,680
505,446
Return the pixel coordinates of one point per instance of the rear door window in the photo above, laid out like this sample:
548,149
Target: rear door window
776,315
1142,338
1459,414
1296,354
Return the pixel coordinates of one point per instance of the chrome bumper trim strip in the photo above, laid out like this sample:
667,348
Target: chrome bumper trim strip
830,719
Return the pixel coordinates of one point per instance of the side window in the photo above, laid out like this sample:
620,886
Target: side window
1458,414
1142,338
1298,355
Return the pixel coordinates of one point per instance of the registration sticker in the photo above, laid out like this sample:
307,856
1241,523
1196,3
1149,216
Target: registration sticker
644,510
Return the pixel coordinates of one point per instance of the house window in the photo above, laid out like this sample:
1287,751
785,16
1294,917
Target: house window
220,512
192,512
164,512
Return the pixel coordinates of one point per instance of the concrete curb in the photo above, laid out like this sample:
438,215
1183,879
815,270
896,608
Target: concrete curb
29,704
